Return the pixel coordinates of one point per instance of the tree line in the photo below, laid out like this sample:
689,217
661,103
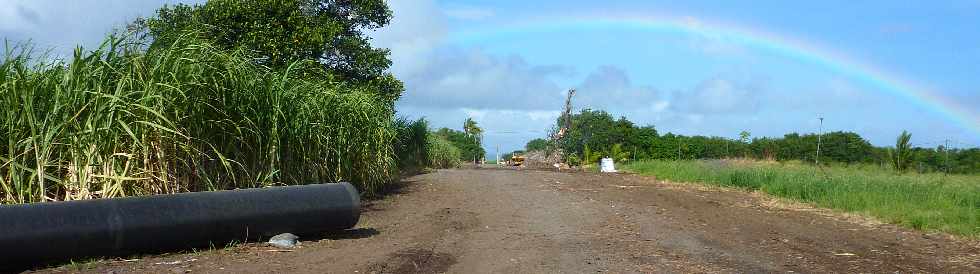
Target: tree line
469,141
596,133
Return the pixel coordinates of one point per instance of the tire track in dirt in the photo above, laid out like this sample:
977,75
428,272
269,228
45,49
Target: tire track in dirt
447,227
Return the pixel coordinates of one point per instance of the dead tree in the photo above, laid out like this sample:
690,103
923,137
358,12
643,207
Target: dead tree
565,124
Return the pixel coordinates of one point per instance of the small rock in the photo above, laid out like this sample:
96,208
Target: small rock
285,240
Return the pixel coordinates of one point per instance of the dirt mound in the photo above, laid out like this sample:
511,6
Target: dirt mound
541,159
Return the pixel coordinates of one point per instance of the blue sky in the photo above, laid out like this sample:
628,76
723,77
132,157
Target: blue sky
457,61
511,81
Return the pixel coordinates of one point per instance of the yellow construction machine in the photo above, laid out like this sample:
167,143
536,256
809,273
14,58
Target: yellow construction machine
517,160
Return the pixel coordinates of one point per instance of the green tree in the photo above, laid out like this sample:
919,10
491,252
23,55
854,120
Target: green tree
279,32
901,155
470,127
845,147
537,145
469,145
600,131
744,136
966,161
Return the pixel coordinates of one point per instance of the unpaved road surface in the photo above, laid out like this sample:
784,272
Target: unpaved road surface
510,221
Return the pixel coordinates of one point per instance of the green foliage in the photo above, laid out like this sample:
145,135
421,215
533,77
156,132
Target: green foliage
469,145
276,33
538,145
921,201
843,147
471,128
901,155
574,160
600,131
744,136
596,132
189,117
589,157
442,153
618,154
411,145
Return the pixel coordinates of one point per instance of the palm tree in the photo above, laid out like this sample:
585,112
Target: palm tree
743,137
471,128
901,155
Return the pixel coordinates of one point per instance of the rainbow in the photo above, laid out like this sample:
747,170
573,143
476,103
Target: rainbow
927,98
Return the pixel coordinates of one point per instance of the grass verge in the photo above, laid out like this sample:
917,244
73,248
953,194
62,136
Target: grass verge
931,202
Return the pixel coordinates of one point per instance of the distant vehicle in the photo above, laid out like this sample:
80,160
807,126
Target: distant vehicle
517,160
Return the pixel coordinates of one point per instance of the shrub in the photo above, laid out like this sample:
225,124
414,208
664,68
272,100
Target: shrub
442,153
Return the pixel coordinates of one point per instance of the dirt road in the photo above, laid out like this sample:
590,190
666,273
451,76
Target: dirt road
509,221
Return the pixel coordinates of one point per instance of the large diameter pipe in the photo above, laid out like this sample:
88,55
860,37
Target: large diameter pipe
38,233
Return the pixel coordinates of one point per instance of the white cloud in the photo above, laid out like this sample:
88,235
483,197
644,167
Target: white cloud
437,75
470,78
610,87
549,116
417,29
61,25
720,96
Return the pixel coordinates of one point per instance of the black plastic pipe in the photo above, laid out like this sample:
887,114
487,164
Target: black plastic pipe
32,234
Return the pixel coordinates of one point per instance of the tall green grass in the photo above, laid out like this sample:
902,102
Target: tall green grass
411,145
442,153
922,201
119,121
